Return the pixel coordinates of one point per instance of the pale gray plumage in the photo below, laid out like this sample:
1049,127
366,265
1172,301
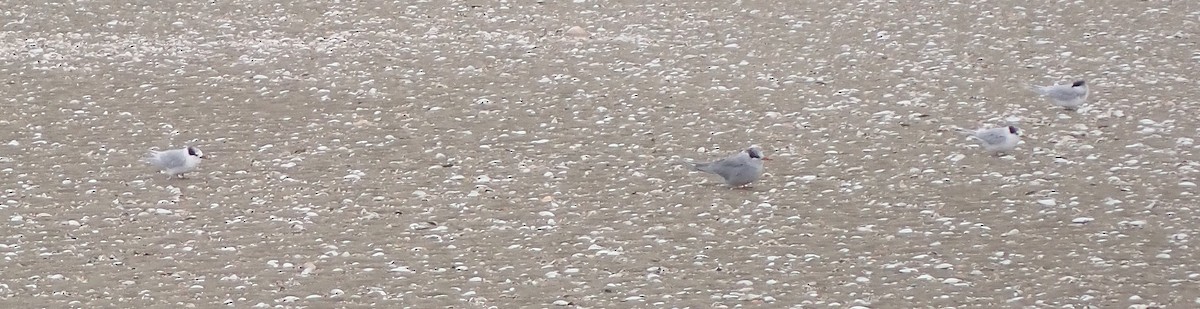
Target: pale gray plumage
1067,96
175,162
996,140
736,170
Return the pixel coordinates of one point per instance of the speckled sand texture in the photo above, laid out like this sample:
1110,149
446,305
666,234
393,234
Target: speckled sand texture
521,154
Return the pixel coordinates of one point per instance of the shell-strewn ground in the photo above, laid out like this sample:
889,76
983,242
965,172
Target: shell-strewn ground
509,154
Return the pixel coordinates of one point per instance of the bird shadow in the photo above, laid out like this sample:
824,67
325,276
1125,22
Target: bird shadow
726,187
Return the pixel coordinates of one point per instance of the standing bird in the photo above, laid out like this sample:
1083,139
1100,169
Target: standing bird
736,170
996,140
175,162
1067,96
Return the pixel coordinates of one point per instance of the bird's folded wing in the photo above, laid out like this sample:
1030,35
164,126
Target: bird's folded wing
991,137
168,159
728,167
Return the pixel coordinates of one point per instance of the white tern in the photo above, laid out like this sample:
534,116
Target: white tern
996,140
175,162
1067,96
736,170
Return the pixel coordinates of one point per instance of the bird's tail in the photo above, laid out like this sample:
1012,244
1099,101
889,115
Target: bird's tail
970,134
691,165
962,130
152,157
1037,89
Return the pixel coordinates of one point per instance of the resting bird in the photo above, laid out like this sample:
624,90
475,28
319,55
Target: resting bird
996,140
175,162
736,170
1067,96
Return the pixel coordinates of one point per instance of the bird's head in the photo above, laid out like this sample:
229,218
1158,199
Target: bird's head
195,152
756,152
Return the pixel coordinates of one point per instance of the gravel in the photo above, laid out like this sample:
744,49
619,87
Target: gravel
518,154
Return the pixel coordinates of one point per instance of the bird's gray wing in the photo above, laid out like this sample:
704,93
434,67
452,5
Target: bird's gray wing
168,159
729,167
993,136
1061,92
